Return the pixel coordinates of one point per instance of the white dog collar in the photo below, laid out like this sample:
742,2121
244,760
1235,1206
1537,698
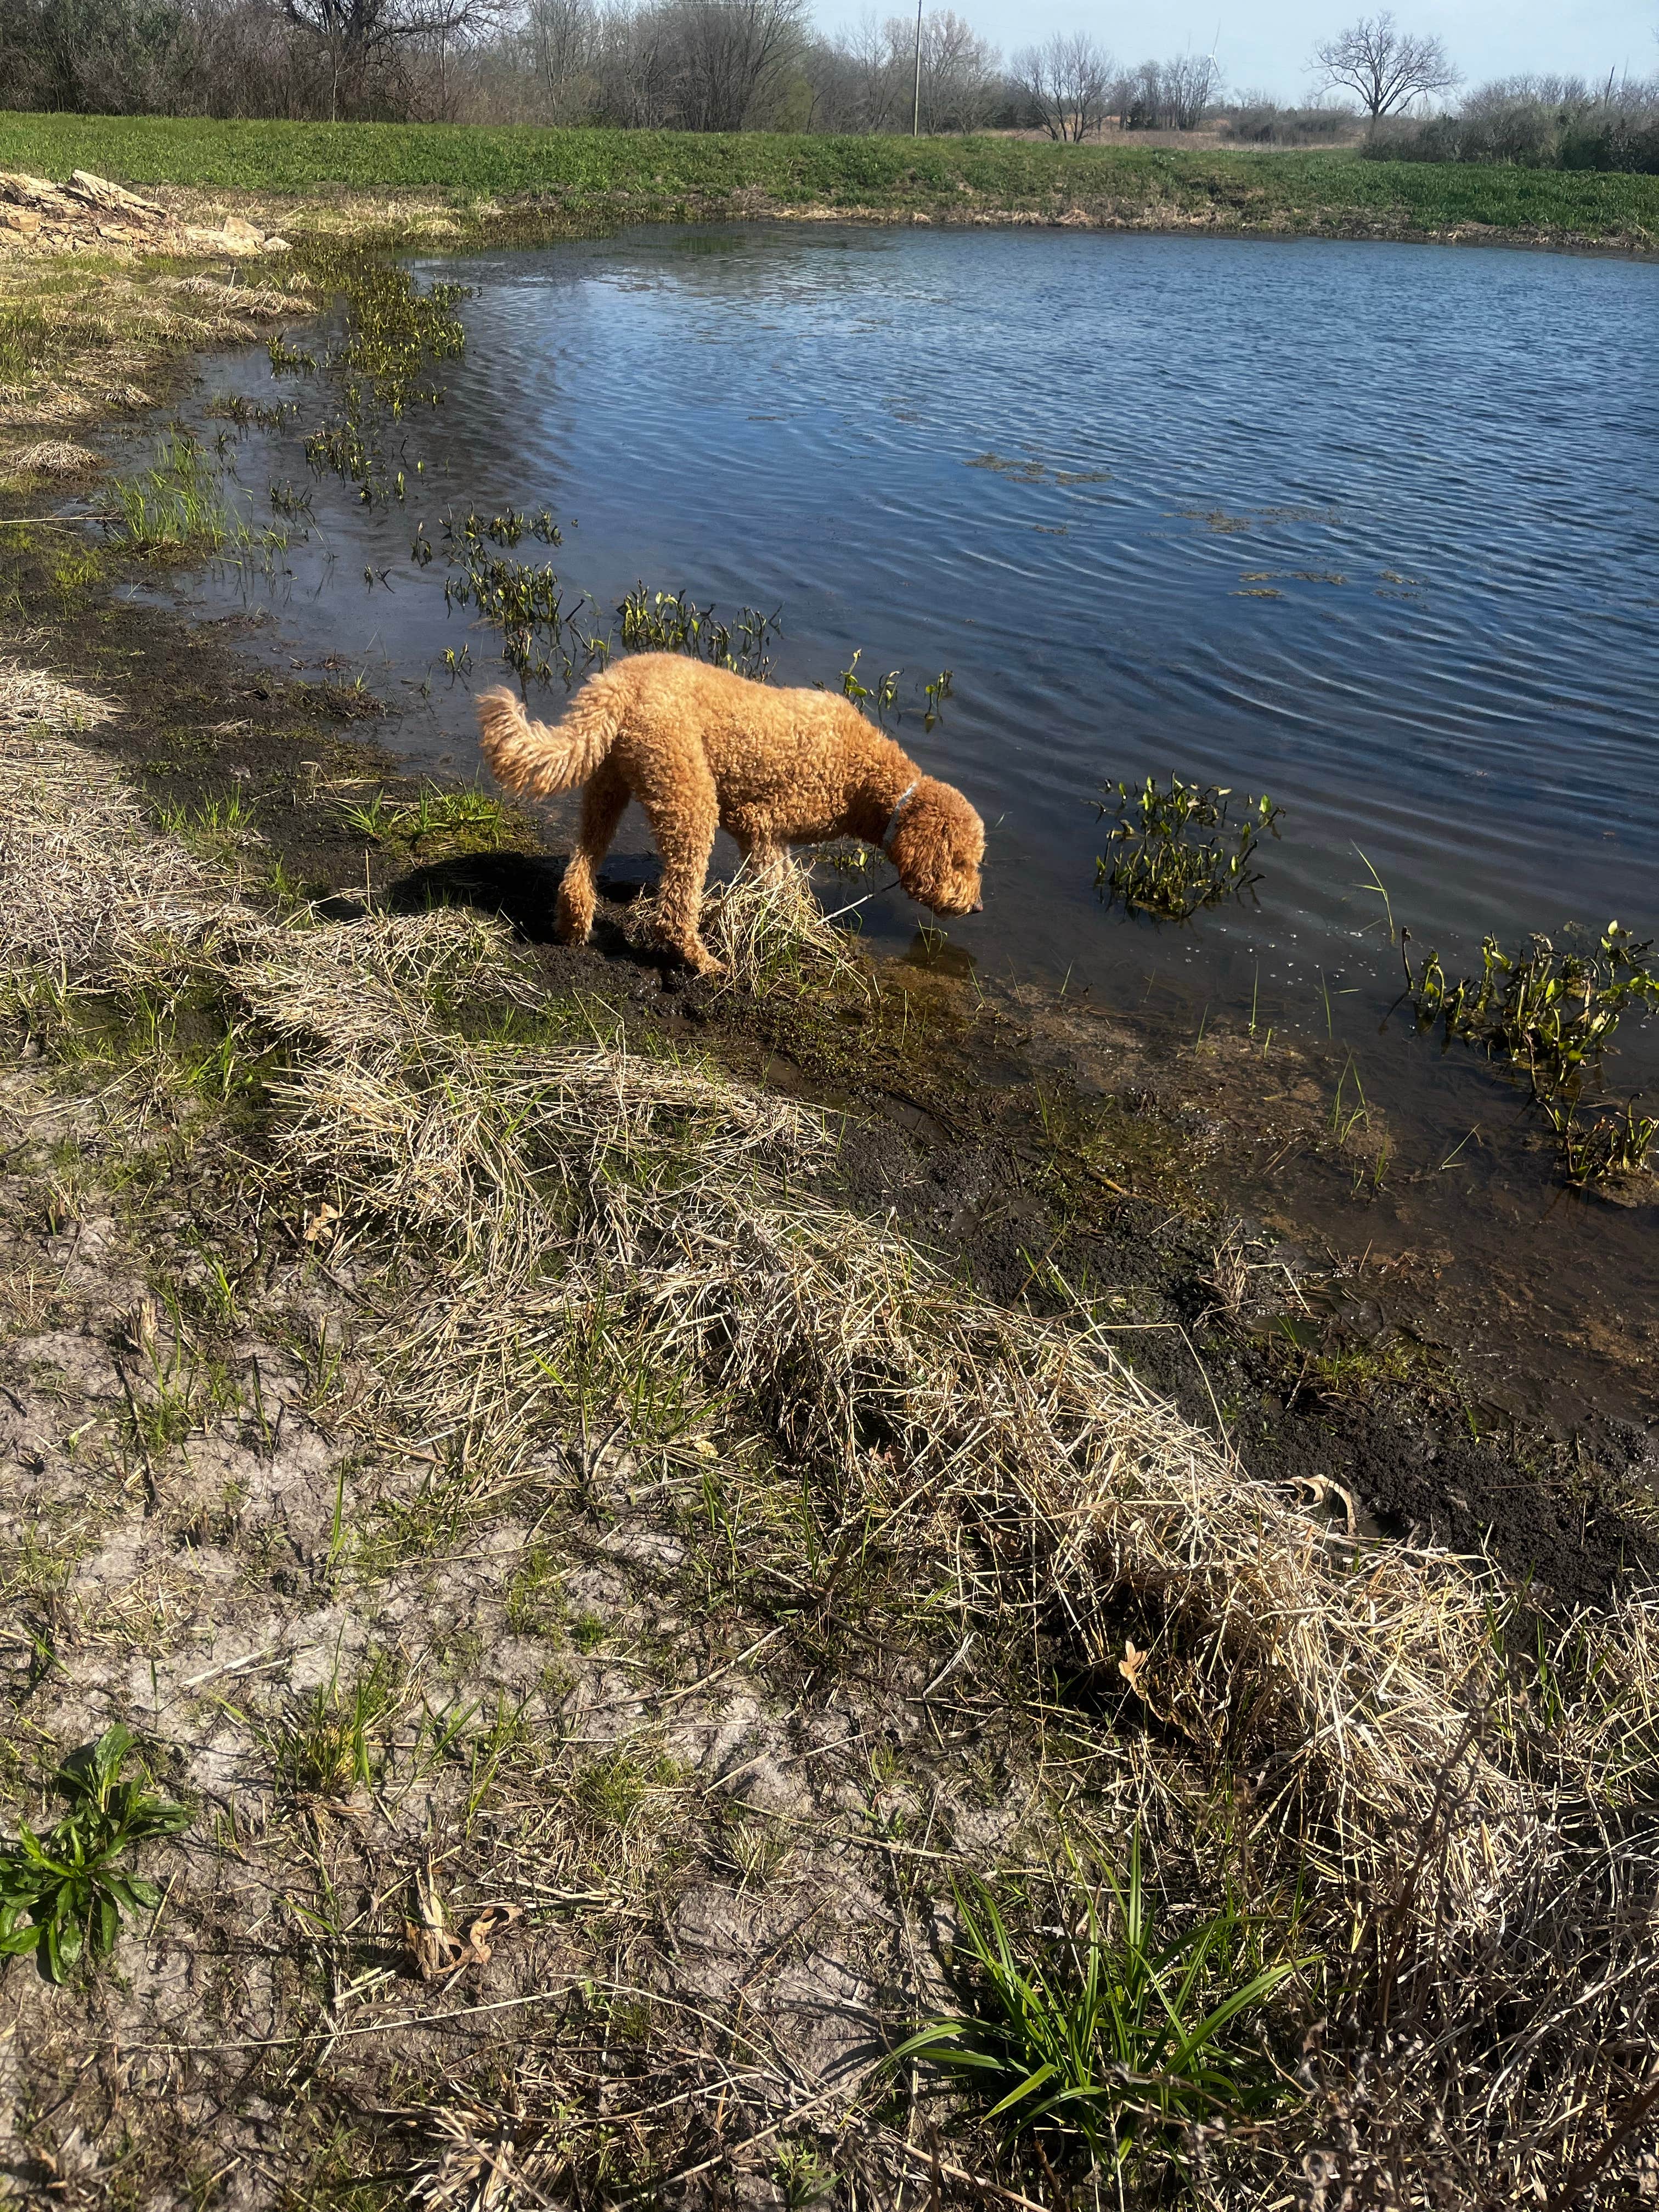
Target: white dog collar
904,798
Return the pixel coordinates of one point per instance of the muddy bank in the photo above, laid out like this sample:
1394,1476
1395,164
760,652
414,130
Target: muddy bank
1057,1158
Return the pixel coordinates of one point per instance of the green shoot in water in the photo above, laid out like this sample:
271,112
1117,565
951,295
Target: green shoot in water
1554,1015
1161,863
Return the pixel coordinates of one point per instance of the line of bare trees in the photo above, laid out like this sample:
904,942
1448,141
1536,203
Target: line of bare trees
691,64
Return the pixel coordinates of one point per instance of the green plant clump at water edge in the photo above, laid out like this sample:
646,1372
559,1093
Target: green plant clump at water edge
1554,1015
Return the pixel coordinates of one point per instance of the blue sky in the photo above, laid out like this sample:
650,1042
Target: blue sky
1264,44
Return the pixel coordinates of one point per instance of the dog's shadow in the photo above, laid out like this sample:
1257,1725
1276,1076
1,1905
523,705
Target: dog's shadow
522,889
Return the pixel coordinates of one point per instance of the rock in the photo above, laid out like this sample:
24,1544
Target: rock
102,193
18,186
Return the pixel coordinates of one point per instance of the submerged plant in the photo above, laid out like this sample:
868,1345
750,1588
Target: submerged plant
394,333
64,1895
1554,1014
1161,863
1097,2032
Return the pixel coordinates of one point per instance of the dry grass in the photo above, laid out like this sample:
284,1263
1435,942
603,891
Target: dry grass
766,926
53,457
79,875
1451,1792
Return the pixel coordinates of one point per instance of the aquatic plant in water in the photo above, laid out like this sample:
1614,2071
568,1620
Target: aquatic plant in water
1554,1014
394,333
179,505
1158,862
663,621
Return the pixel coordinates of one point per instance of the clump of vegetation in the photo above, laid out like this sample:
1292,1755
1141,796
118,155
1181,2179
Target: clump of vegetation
766,927
468,821
1554,1014
542,635
65,1895
1094,2032
663,621
249,414
1161,863
325,1745
394,333
179,505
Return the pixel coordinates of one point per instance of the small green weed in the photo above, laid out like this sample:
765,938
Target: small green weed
1101,2034
216,829
470,820
1555,1016
64,1895
330,1741
882,694
611,1788
802,2176
1160,865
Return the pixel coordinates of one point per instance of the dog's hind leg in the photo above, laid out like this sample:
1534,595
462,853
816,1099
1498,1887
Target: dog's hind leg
684,816
605,798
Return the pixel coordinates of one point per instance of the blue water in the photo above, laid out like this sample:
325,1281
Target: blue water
1372,529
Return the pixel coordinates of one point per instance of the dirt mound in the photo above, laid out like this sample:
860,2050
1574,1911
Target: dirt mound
88,210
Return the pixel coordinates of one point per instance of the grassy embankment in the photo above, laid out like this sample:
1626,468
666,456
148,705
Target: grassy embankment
640,174
603,1599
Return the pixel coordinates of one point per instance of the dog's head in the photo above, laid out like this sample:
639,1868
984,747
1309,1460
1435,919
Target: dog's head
937,848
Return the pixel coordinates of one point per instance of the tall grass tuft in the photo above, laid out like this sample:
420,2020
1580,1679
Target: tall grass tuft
179,503
1095,2030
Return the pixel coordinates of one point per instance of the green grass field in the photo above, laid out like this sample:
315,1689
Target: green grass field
653,172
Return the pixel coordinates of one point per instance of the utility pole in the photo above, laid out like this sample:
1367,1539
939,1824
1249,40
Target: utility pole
915,118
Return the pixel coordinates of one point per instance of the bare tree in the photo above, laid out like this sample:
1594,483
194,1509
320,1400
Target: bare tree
1066,81
562,39
734,52
958,69
357,36
1173,95
1386,67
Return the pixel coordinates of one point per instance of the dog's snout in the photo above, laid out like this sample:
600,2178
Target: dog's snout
978,907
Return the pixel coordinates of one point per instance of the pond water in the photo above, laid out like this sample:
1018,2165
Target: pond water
1372,529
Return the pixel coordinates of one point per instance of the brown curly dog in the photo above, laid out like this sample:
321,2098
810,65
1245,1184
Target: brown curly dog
698,748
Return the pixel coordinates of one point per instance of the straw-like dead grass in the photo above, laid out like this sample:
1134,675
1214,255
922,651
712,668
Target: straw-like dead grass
79,874
53,457
1457,1797
766,926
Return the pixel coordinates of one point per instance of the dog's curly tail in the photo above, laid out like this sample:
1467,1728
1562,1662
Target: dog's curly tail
533,760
